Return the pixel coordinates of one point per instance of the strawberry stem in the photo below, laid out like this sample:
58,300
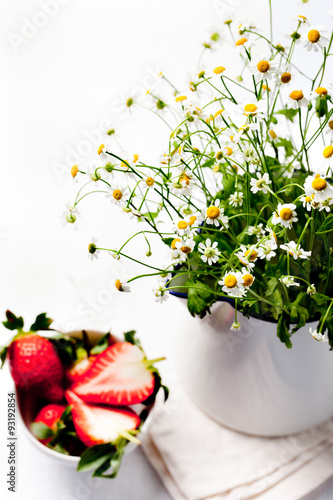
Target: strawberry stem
150,362
127,435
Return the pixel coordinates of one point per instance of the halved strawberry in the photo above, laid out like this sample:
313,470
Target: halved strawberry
50,416
97,424
75,373
120,375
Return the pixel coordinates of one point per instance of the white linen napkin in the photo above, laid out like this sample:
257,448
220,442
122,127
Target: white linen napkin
198,459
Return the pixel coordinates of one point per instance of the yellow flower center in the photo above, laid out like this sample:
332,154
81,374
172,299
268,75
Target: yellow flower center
100,149
241,41
252,255
286,214
247,280
213,212
272,134
250,108
181,98
135,158
263,66
296,95
321,91
228,151
186,249
264,87
173,243
308,199
119,285
219,70
285,77
117,194
182,224
318,183
330,124
328,152
150,181
74,170
303,17
184,177
192,220
230,281
313,36
124,165
218,113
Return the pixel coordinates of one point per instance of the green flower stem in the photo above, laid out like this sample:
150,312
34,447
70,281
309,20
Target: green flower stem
325,318
303,232
87,194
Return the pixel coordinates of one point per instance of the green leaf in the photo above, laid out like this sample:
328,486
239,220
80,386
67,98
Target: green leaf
41,430
271,286
283,330
200,298
167,241
228,185
13,322
94,456
42,322
327,225
288,113
101,345
114,462
287,145
3,355
130,337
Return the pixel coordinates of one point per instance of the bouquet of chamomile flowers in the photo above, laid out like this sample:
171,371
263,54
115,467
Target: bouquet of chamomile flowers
242,194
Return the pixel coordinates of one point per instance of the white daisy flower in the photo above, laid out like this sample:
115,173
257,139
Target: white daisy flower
295,250
284,76
93,173
236,199
185,245
215,215
248,255
176,253
307,202
288,170
161,293
244,130
126,165
326,205
232,284
297,100
311,290
120,285
318,186
70,216
210,252
315,38
266,249
235,327
117,195
319,92
149,180
93,252
261,67
285,215
181,227
256,230
248,278
164,158
289,281
253,108
249,155
261,183
320,337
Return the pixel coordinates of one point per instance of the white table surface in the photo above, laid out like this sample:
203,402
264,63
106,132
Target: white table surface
59,86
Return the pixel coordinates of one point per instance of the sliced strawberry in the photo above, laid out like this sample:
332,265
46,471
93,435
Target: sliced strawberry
50,416
120,375
97,424
75,373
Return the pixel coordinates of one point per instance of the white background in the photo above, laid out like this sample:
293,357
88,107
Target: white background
60,84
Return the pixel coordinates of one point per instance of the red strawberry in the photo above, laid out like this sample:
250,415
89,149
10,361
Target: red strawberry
97,424
35,366
76,372
120,375
50,416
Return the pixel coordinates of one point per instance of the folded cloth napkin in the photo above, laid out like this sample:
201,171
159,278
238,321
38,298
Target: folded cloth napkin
198,459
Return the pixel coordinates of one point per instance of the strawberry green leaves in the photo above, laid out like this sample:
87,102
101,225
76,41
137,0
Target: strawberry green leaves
103,457
42,322
13,322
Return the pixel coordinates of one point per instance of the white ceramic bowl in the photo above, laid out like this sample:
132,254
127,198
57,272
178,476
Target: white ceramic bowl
29,405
